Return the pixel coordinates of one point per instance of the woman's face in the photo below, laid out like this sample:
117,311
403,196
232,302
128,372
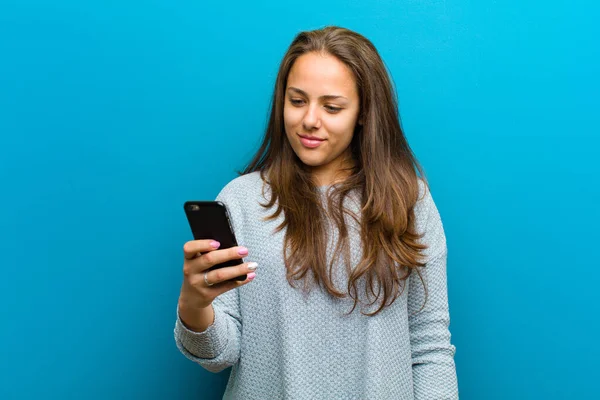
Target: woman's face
320,113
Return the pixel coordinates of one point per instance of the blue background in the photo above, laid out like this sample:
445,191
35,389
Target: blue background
113,113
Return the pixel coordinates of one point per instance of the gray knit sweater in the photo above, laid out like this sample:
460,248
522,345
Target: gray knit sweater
284,344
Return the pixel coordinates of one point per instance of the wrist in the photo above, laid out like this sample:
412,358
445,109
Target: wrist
196,319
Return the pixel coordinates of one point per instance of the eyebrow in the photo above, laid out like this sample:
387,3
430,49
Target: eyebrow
325,97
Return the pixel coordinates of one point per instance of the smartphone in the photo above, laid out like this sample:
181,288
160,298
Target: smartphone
210,220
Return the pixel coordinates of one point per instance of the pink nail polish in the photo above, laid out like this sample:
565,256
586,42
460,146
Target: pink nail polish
214,244
251,275
243,251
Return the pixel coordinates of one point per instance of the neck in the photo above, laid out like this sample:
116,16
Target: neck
332,173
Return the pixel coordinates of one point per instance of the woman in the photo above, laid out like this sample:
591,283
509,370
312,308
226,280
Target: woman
346,292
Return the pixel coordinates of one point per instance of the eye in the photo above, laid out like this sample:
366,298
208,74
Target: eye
333,109
297,102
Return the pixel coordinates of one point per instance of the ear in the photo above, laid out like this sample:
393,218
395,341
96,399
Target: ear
360,120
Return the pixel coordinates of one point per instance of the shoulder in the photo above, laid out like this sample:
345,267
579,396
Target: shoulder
242,187
242,197
429,221
424,204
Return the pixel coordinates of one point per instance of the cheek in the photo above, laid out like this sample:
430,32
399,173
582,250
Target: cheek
291,117
343,128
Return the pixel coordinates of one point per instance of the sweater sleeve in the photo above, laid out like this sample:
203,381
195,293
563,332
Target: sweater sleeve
218,347
434,372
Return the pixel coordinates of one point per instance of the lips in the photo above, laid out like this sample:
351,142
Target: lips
310,142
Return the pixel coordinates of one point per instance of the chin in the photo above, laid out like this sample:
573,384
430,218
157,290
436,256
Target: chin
310,161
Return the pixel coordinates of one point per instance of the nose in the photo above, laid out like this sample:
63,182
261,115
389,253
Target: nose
311,120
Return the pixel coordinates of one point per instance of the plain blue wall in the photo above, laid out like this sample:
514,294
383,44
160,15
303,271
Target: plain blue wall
112,114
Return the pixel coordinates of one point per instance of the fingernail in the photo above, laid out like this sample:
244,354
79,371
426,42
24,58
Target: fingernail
252,266
214,244
251,276
243,251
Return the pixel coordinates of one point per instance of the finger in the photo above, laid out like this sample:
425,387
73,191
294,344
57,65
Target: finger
221,275
213,258
195,248
230,285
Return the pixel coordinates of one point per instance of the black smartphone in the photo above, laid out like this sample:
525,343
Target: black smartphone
210,220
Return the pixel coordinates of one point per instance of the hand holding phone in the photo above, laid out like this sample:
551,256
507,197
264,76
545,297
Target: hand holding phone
213,263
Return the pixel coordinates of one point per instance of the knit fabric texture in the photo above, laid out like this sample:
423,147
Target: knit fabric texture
284,343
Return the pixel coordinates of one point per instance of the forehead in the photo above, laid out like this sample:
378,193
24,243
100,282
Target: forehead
322,74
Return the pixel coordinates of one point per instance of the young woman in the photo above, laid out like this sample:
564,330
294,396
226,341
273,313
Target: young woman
346,293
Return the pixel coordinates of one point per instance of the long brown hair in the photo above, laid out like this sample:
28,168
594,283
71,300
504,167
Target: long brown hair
383,174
